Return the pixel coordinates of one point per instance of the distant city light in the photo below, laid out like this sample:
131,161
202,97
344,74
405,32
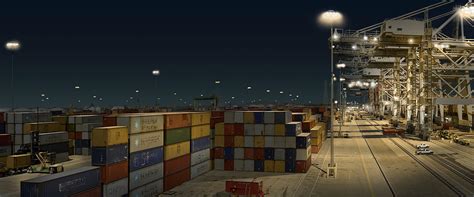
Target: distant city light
77,87
268,91
42,95
12,45
155,72
137,91
249,88
217,82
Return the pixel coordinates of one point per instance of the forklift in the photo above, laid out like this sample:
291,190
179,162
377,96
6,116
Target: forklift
42,162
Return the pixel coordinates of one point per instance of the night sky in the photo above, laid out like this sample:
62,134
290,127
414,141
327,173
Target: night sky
110,48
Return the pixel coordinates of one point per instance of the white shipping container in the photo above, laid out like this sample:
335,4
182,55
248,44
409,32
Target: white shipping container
28,117
218,164
86,135
279,154
229,117
269,141
249,129
26,139
238,153
145,175
86,151
249,165
200,156
279,142
116,188
239,117
290,142
138,123
10,129
200,169
18,128
143,141
150,190
259,129
248,141
269,129
303,154
5,151
269,117
239,165
53,137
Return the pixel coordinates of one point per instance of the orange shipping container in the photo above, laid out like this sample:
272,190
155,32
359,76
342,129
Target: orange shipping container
113,172
177,120
109,121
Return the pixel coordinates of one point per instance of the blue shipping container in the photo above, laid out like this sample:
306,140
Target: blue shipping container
145,158
290,166
298,117
228,153
82,143
62,184
2,128
269,153
258,117
303,141
282,117
259,165
109,155
290,129
200,144
290,154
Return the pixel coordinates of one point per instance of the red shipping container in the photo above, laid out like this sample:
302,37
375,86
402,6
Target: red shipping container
5,139
249,153
177,120
259,154
113,172
2,117
314,149
215,120
71,135
245,188
78,136
108,121
95,192
303,166
217,113
228,141
229,129
239,129
218,153
212,154
176,179
229,165
177,164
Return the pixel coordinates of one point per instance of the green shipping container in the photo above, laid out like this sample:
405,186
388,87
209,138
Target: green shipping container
71,127
173,136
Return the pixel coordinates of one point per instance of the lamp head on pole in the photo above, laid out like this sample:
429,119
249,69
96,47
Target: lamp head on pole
155,72
13,45
330,18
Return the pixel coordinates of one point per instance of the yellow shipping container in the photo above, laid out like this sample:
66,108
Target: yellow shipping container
269,166
239,141
219,141
219,128
248,117
42,127
259,141
200,131
279,166
176,150
3,160
18,161
200,118
316,141
60,119
107,136
280,129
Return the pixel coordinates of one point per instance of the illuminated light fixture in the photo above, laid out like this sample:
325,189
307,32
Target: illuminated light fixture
77,87
281,92
366,38
358,83
137,91
411,41
334,78
467,11
155,72
441,46
396,98
335,101
335,37
366,84
331,18
13,45
333,46
375,39
354,47
268,91
342,79
340,65
217,82
233,97
42,95
373,84
249,87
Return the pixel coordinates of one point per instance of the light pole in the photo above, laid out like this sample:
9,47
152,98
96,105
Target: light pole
341,81
12,46
156,73
331,18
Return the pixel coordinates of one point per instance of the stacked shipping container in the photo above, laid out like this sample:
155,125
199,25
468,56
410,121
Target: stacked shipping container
20,124
200,143
5,148
146,152
260,141
110,152
79,128
3,123
318,134
216,117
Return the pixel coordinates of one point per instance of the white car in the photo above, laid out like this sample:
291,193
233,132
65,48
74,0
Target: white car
423,145
424,151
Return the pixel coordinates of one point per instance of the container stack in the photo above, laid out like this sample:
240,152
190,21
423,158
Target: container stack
56,142
19,124
216,117
80,128
3,126
177,149
318,134
110,152
5,148
146,152
260,141
200,143
83,181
